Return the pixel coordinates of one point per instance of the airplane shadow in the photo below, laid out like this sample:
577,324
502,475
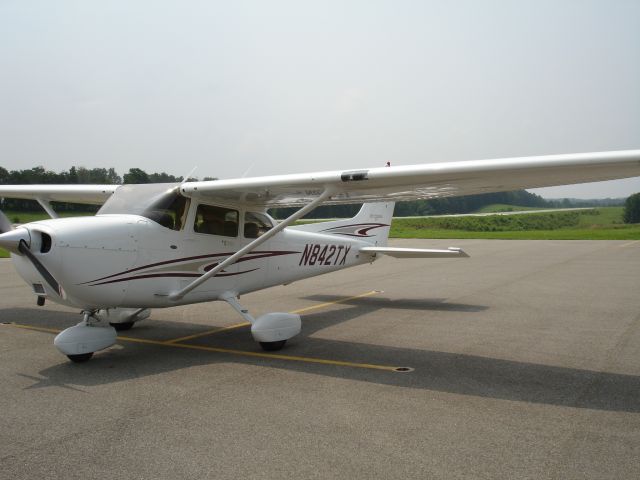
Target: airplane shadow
435,304
434,370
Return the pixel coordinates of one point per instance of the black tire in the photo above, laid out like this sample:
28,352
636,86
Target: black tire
81,357
121,327
272,346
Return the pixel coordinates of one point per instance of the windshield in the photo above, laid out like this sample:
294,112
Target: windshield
160,202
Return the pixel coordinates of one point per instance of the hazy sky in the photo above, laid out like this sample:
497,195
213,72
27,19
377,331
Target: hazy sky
272,87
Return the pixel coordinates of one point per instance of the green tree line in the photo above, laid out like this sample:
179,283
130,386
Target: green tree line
632,209
75,175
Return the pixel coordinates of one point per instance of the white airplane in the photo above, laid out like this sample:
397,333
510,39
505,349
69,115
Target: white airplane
162,245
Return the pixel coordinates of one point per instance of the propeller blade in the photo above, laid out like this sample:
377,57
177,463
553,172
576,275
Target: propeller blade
11,240
53,283
5,224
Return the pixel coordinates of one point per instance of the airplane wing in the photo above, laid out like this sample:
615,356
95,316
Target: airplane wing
425,181
435,180
91,194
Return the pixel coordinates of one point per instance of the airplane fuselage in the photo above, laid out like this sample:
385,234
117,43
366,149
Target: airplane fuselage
110,261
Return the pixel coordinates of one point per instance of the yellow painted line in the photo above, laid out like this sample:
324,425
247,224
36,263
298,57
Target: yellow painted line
231,351
246,324
29,327
264,355
208,332
629,244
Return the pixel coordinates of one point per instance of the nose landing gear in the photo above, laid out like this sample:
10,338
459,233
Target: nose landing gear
79,343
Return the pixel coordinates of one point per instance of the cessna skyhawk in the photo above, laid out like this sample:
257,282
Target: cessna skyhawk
162,245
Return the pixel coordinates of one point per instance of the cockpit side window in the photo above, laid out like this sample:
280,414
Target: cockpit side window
214,220
170,212
160,202
256,224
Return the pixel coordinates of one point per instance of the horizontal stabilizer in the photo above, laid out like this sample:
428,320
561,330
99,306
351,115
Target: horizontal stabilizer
450,252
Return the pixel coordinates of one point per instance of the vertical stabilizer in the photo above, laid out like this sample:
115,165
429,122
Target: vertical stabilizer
371,224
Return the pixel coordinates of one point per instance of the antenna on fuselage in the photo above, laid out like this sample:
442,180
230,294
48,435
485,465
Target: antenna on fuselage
186,178
246,172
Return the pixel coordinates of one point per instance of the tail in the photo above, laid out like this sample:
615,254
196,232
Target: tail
371,224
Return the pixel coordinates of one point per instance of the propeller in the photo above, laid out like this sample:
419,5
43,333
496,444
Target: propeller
5,224
15,240
23,248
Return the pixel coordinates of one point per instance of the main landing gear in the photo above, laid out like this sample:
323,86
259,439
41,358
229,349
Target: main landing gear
122,319
271,330
122,327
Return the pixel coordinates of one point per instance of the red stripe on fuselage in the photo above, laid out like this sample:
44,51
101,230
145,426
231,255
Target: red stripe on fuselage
250,256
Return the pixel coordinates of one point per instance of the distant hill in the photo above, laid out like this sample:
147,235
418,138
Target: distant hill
581,202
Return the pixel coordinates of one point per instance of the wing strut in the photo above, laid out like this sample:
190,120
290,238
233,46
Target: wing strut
47,207
327,192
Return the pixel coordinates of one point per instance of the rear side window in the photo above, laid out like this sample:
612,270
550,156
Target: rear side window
214,220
